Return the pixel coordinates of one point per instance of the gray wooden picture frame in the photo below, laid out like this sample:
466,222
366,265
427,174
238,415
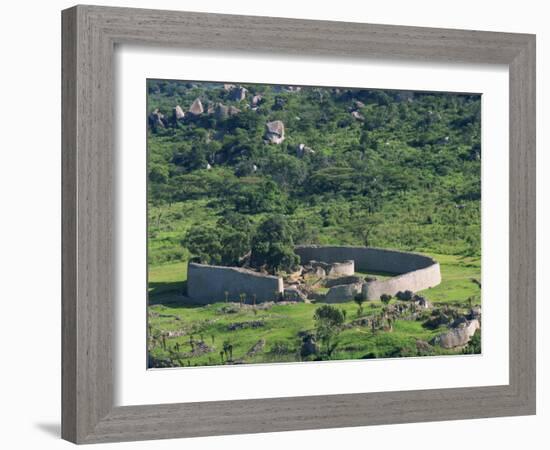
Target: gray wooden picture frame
90,34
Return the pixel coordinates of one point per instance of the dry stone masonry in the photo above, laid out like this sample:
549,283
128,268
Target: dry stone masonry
415,272
333,266
209,284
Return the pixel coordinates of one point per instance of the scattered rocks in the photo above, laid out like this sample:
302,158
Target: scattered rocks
157,119
256,100
358,116
293,89
243,325
474,313
238,93
293,294
361,322
222,111
233,110
256,348
423,347
199,348
231,308
303,150
295,276
175,333
459,321
437,319
275,132
421,302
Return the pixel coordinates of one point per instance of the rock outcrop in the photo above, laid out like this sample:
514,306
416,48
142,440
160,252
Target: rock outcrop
358,116
177,113
238,93
196,107
157,119
275,132
303,150
256,100
459,336
222,111
293,294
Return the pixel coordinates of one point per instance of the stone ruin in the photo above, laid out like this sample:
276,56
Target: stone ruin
326,274
412,272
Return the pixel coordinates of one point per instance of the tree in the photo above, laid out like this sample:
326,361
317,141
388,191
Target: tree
273,247
385,298
204,243
253,195
359,300
228,350
328,324
474,346
235,232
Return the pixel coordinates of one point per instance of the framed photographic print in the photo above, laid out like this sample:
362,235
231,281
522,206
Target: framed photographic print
265,230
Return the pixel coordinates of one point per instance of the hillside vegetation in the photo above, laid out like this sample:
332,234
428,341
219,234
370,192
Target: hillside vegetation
356,167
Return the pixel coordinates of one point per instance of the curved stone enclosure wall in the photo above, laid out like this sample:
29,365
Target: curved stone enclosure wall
208,284
414,272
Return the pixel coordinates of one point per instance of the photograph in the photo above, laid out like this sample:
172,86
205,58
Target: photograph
306,223
262,225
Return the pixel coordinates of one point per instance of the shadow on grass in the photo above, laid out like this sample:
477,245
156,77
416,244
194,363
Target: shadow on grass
167,293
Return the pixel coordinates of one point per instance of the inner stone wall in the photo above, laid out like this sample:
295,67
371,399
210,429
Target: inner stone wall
413,272
208,284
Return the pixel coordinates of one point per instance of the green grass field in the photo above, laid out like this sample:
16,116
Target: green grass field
176,329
